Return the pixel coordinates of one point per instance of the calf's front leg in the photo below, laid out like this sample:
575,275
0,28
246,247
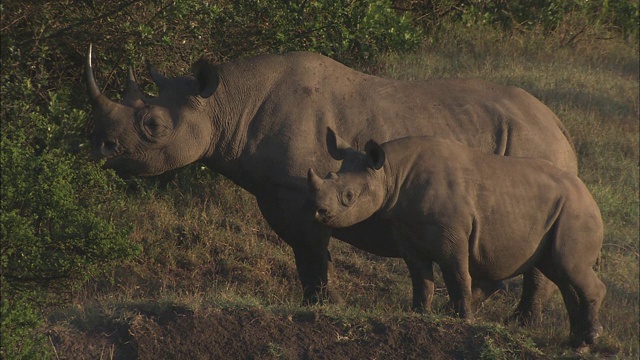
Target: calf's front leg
423,285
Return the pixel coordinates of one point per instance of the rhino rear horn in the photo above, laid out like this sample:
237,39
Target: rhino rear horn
336,145
314,181
100,101
132,94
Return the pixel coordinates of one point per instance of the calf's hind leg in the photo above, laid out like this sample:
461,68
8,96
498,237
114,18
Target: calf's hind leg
583,294
591,292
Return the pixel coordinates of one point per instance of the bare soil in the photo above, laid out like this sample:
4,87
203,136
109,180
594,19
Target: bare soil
178,333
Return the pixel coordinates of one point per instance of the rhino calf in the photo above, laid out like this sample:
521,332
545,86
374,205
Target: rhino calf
476,215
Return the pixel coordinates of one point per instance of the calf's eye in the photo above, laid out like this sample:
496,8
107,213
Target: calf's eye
151,123
348,196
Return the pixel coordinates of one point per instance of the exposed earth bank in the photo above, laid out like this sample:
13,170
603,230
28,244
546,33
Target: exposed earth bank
249,333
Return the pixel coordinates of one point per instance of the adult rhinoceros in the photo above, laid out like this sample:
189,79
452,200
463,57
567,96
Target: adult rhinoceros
262,122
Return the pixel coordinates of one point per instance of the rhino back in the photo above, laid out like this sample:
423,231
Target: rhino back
506,206
284,127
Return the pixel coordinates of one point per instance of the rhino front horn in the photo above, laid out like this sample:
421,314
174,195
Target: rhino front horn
98,98
314,181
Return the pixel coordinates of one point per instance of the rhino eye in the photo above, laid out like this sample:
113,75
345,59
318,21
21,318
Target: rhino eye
154,127
151,122
348,197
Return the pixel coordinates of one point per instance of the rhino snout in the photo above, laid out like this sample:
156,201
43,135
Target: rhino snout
106,148
321,215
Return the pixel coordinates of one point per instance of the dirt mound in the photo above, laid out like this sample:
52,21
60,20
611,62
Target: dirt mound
177,333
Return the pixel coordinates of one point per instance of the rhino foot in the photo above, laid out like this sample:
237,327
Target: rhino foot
586,338
323,297
593,334
524,318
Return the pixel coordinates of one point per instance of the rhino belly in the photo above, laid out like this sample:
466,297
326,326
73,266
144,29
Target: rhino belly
499,260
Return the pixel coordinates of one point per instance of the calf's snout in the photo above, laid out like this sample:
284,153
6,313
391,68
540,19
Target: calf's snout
322,215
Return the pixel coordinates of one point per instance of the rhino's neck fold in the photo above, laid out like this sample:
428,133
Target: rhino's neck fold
394,178
241,92
390,187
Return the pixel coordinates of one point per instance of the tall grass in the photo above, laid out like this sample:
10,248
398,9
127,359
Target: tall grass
207,244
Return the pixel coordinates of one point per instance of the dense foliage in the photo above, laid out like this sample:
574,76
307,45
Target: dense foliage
57,228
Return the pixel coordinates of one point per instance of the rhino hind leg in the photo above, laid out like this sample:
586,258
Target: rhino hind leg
537,289
583,294
590,292
484,289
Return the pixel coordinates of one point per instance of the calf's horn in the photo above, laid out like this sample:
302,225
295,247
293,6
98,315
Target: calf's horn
314,181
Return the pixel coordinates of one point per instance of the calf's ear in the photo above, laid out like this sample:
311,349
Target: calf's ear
206,72
375,155
336,145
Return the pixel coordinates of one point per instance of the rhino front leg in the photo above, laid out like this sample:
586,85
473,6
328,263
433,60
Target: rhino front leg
313,264
285,211
458,282
455,272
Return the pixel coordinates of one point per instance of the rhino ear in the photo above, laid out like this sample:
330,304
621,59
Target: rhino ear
160,80
375,155
206,72
336,145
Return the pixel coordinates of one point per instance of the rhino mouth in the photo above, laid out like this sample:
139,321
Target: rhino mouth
325,217
126,167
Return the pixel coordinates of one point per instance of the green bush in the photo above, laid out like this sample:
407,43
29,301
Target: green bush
178,33
20,319
350,31
54,223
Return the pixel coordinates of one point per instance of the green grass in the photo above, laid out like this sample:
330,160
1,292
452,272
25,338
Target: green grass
206,246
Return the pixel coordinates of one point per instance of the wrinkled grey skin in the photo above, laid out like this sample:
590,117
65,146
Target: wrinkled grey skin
477,215
262,122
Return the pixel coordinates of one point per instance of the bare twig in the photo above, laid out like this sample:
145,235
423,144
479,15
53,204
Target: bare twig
82,22
54,348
